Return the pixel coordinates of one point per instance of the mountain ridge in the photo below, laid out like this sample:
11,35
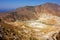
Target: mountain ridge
33,12
31,23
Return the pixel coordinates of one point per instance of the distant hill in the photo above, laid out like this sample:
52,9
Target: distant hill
33,12
6,10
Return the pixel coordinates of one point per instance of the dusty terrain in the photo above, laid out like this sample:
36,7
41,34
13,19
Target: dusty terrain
40,22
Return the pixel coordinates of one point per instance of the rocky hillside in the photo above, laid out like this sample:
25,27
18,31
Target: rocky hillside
40,22
32,12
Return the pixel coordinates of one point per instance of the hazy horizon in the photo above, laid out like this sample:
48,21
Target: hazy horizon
13,4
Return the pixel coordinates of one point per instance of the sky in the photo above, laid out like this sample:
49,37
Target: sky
12,4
